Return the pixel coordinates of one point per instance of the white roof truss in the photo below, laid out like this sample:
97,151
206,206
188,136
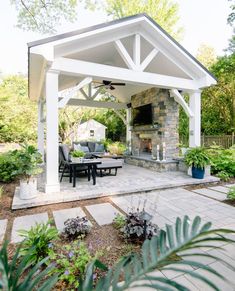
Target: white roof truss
134,50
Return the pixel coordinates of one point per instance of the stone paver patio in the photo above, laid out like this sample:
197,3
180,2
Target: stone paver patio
129,179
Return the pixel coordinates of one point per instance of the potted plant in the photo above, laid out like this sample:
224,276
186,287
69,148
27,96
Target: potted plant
29,160
197,158
77,156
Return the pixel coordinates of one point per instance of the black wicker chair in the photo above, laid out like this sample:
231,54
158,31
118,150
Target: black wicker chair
64,163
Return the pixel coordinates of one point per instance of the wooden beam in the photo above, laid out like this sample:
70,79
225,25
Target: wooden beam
180,99
124,54
96,104
65,100
77,68
148,59
84,93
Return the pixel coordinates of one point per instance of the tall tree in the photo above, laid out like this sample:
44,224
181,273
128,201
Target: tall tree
43,16
206,55
18,115
230,20
164,12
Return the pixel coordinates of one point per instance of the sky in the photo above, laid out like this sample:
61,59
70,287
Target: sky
204,21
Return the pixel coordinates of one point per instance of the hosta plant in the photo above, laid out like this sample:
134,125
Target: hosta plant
74,227
231,193
19,274
41,237
182,239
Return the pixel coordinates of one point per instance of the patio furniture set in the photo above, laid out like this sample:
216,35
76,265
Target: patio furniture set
94,162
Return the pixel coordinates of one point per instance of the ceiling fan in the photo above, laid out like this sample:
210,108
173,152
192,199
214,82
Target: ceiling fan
109,84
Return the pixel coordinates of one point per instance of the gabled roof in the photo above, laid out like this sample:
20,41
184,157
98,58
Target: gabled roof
91,122
110,23
96,44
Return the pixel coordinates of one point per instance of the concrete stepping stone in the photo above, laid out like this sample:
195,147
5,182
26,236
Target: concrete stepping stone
60,216
26,222
103,213
220,189
3,227
211,193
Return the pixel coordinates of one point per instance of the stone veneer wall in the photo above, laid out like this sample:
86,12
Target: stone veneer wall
165,122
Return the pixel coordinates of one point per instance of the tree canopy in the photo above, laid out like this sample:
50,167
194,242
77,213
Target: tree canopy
18,115
44,16
164,12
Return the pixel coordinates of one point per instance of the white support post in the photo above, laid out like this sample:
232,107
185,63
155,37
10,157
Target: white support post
195,120
52,132
41,128
128,128
136,50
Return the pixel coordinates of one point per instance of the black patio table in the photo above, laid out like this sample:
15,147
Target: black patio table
91,166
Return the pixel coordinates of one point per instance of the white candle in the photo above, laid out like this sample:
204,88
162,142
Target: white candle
158,147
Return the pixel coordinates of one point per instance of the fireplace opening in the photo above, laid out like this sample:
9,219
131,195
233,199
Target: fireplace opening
146,145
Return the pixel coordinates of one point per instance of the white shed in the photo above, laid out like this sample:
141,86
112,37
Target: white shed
91,129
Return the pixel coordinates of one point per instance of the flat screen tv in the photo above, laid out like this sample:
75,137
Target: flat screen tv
142,115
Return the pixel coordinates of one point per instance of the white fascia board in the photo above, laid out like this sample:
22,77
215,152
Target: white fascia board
45,50
176,47
75,67
97,37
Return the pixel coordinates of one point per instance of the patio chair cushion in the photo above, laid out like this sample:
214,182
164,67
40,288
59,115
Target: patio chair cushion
99,147
91,146
109,163
65,150
79,147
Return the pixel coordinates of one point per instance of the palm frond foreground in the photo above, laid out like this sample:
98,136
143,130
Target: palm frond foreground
181,240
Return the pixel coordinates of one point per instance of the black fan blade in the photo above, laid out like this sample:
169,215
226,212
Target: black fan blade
99,86
105,82
119,84
111,87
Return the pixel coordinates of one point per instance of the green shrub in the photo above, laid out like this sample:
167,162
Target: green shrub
18,274
41,237
196,157
8,166
116,148
71,261
222,160
223,175
231,193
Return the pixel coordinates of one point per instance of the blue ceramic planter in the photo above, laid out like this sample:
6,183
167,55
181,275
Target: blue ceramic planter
198,173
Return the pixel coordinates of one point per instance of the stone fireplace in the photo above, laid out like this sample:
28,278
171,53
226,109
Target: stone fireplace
146,139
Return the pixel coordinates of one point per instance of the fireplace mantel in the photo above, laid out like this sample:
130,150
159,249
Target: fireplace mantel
143,129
